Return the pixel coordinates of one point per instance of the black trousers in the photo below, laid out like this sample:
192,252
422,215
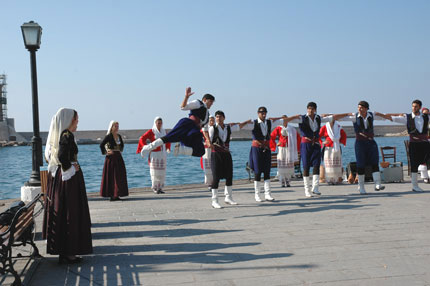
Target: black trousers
222,168
419,153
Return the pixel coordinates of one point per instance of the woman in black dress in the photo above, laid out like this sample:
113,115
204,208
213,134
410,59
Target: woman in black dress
114,178
67,222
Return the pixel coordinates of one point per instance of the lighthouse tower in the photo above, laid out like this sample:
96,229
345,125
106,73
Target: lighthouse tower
7,125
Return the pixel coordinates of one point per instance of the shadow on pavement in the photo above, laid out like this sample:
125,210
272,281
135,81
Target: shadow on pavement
128,269
169,248
184,232
170,222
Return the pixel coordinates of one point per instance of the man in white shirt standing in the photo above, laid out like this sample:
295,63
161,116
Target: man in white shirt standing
366,149
310,148
260,156
221,160
419,146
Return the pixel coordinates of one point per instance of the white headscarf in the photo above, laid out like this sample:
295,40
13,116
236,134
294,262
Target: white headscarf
158,133
334,134
110,126
291,133
60,121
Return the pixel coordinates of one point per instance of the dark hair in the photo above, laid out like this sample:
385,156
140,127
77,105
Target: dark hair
262,109
75,114
417,101
364,104
219,112
312,104
208,96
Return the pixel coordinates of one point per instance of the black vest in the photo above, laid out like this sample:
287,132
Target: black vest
359,124
412,129
306,130
201,113
257,134
216,139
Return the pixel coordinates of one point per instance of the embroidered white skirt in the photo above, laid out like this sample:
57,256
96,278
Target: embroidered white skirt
207,166
157,169
285,166
333,164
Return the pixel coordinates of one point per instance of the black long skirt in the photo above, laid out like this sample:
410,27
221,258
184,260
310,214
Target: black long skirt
114,178
67,222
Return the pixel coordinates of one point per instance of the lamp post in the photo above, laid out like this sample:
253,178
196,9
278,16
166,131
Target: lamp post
32,33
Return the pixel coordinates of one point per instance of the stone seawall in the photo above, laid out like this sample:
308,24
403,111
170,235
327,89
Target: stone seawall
132,136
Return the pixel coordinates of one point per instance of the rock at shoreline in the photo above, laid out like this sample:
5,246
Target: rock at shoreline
13,143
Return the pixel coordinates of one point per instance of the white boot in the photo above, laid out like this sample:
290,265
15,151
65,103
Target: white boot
215,203
229,197
182,150
377,180
414,181
361,185
257,191
316,184
151,146
267,191
423,170
307,183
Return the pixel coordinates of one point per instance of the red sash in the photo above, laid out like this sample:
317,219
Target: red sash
364,136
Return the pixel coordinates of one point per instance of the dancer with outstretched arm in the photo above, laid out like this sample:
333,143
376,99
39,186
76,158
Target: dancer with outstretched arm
187,130
366,148
221,160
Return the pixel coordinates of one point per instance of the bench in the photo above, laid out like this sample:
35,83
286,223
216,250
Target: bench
18,233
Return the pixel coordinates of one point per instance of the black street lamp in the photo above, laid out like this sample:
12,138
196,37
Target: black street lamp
32,33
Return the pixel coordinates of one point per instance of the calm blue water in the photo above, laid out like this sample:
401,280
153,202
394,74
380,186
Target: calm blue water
15,165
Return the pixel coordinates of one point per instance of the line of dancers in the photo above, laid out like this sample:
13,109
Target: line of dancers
211,142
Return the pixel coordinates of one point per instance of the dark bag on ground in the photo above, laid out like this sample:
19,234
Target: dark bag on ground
7,216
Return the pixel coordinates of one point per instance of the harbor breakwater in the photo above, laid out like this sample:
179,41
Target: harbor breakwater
133,135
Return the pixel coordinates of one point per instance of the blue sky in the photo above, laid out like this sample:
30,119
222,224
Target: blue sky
132,60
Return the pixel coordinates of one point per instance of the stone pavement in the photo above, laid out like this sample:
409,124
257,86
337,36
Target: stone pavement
340,238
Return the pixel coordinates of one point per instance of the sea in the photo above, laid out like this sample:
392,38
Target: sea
15,165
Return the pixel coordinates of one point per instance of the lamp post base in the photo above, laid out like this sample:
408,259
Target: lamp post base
28,193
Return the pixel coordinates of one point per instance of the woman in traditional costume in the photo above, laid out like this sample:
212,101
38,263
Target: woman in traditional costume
67,223
158,156
288,147
114,178
205,160
334,136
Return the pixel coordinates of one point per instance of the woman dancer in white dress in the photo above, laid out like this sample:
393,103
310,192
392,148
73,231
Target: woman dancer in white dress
158,157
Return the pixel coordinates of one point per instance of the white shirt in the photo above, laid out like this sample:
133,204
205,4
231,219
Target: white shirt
353,119
313,123
222,132
195,104
263,125
419,121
